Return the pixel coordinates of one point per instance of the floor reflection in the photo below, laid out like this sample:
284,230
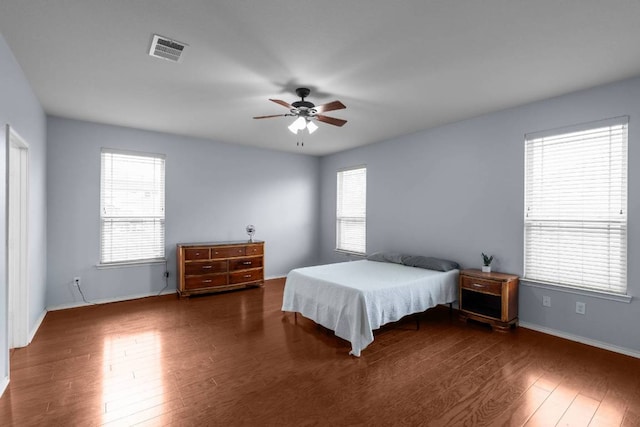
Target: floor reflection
132,374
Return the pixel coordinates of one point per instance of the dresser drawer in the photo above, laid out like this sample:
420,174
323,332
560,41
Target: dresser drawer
244,263
196,253
481,285
227,252
255,249
205,281
205,267
245,276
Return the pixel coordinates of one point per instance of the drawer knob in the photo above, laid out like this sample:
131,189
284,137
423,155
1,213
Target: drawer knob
204,267
247,263
247,276
206,281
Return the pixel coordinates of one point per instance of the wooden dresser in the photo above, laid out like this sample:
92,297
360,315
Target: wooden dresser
489,297
219,266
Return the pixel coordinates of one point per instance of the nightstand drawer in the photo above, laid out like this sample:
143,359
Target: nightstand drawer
481,285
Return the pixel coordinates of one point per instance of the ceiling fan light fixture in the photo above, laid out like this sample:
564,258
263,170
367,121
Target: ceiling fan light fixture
311,127
298,124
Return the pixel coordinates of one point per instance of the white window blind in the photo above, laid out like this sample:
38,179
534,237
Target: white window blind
351,213
576,206
131,207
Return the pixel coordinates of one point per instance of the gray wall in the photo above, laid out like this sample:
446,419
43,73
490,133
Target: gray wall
213,190
20,108
458,190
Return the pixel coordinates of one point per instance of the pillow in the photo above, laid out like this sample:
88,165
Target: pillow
430,263
394,257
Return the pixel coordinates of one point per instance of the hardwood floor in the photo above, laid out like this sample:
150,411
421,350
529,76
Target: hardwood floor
236,359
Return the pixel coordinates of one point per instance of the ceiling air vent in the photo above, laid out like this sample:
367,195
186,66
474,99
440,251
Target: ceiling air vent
162,47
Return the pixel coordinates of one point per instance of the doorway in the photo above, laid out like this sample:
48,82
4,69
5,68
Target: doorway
17,216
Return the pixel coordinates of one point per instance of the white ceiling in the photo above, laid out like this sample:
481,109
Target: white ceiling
398,66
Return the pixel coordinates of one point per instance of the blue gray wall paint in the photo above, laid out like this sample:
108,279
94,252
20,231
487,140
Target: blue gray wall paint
458,190
20,108
213,190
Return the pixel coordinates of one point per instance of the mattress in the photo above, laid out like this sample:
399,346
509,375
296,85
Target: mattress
355,298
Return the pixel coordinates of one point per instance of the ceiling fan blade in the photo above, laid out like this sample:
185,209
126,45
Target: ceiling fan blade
283,103
268,117
330,120
335,105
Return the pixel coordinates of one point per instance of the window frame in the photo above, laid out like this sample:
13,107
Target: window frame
161,257
607,291
340,246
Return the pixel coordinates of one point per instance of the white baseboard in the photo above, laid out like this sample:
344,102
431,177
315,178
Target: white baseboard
275,277
4,383
35,328
583,340
109,300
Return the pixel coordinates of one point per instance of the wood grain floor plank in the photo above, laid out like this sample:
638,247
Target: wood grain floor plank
553,408
580,412
520,410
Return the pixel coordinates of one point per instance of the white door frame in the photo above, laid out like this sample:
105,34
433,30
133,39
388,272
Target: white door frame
17,251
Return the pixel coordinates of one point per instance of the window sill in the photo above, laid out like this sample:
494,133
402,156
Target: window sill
343,252
566,289
130,263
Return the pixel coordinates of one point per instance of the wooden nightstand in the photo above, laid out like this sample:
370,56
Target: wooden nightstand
489,297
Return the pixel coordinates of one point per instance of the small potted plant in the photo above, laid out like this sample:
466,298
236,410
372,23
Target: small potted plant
486,263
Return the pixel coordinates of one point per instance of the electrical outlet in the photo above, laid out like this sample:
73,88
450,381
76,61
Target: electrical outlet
76,281
546,301
581,307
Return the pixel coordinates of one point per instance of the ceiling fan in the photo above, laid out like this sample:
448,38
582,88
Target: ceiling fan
306,112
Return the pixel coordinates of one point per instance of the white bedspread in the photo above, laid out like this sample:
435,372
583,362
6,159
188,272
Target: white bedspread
355,298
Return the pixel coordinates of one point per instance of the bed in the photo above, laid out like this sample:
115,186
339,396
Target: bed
355,298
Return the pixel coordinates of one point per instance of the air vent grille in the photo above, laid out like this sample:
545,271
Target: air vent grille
165,48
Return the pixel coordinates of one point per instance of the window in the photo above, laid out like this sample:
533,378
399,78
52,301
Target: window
131,207
351,212
576,206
